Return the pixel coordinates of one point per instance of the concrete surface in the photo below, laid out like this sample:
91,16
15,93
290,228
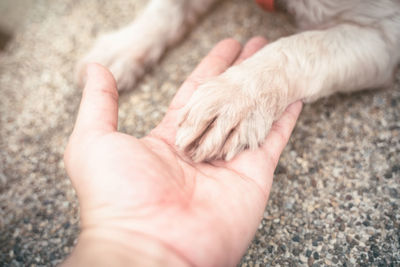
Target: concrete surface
336,196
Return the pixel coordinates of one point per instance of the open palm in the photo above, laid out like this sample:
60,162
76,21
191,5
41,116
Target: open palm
204,213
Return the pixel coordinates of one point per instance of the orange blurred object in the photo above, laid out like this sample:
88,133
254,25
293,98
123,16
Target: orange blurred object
266,4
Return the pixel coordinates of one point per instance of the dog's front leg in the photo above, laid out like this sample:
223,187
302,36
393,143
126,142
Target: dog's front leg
235,111
128,51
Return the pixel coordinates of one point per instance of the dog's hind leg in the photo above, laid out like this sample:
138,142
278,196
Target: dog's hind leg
128,51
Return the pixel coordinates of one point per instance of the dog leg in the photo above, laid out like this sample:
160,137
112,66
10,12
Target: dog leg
235,111
128,51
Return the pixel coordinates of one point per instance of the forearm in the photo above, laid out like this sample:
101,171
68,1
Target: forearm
96,248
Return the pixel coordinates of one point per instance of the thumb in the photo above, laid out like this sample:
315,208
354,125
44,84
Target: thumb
98,111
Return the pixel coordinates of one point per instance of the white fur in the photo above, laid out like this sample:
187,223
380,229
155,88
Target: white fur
128,51
347,45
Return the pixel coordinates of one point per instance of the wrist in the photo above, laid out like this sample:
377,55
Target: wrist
106,247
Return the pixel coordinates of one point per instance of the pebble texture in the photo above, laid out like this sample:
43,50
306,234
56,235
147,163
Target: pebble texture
336,196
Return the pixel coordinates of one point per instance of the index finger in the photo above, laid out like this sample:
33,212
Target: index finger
217,61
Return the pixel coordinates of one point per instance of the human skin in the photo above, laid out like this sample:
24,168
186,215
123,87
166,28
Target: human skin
144,203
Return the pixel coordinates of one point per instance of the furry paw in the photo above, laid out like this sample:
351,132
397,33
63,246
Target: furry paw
125,53
225,116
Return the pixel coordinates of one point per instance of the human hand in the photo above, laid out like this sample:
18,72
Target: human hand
143,202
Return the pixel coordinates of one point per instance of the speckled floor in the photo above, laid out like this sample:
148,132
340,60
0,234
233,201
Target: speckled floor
336,196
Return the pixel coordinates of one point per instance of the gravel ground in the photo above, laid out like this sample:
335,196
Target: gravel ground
336,196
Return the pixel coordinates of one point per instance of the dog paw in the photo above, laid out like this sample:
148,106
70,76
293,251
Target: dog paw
125,54
225,116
